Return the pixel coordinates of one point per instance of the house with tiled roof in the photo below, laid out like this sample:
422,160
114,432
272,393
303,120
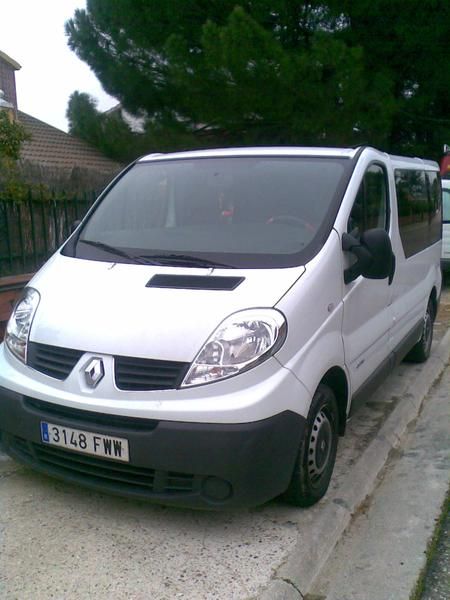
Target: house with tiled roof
8,67
52,147
50,155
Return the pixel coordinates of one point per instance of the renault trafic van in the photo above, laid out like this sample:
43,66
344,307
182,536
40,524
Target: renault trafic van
205,332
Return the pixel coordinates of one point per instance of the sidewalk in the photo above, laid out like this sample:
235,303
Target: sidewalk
436,582
384,552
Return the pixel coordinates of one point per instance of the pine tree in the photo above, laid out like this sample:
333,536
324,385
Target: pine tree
275,71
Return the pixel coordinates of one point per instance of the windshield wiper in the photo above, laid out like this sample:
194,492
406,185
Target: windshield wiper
186,260
139,260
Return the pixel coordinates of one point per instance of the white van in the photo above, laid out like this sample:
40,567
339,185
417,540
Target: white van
204,334
445,261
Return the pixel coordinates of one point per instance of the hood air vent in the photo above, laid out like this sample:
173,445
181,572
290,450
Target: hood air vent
195,282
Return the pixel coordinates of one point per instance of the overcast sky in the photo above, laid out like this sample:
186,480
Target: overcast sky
32,33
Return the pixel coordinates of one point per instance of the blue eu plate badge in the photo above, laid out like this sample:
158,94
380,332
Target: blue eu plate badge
44,432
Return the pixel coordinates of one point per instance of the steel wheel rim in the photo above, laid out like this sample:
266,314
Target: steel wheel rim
320,446
427,327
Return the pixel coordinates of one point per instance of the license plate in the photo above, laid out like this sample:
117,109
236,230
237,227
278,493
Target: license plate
85,442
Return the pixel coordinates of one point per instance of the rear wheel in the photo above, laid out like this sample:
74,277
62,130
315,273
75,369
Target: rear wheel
317,453
422,349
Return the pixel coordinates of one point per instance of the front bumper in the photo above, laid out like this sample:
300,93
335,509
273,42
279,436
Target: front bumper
201,465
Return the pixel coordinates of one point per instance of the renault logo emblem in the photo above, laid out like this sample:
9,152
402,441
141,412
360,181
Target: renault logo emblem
94,372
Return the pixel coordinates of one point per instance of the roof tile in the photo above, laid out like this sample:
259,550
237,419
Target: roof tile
52,147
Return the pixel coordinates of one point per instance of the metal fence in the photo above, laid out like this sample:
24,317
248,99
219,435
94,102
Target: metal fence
31,230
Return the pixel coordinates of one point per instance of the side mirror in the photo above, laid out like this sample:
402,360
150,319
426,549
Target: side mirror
374,256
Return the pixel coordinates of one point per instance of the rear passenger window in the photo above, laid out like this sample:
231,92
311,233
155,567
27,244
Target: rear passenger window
370,209
419,209
434,211
446,205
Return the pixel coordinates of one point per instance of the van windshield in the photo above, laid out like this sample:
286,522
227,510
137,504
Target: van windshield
253,212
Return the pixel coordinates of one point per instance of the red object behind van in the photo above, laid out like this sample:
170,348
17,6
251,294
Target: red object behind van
445,163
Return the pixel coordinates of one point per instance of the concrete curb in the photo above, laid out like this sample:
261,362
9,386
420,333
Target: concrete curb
296,576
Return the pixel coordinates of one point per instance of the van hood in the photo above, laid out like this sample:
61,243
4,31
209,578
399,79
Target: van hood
107,308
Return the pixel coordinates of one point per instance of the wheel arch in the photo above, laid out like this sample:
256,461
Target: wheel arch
336,379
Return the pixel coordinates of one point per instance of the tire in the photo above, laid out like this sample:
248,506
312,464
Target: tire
317,453
420,352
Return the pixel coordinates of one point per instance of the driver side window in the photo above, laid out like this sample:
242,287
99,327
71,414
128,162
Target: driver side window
370,209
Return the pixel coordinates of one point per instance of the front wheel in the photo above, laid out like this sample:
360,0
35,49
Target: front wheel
317,453
420,352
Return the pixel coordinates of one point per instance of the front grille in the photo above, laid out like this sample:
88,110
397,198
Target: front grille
78,418
53,361
140,374
131,374
117,477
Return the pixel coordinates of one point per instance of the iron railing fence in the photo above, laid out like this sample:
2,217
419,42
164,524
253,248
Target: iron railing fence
32,229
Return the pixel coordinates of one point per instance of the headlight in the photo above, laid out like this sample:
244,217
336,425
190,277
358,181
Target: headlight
19,325
242,341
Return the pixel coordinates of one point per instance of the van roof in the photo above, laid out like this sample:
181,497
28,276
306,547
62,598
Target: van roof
407,162
397,161
256,151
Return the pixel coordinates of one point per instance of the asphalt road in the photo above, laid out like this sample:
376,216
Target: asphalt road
65,542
